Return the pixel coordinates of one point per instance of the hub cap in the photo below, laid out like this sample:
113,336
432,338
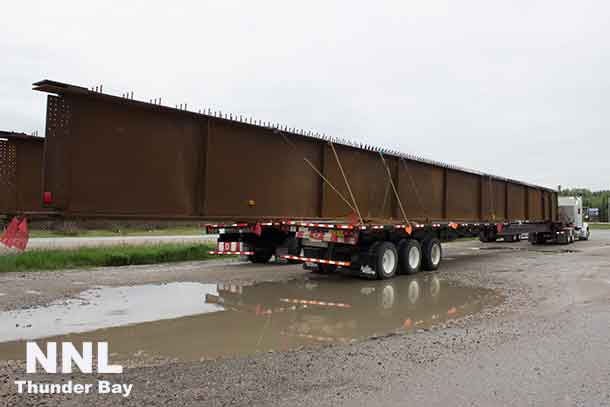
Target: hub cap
388,261
436,254
414,258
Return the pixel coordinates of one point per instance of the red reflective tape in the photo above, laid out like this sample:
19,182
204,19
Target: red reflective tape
231,253
312,260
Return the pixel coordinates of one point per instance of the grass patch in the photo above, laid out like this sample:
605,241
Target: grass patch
599,225
103,257
177,231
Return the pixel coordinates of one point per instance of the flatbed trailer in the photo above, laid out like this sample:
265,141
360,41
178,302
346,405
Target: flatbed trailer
374,250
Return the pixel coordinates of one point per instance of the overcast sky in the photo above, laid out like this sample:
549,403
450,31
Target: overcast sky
514,88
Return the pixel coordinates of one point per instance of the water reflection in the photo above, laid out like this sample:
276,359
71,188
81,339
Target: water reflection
280,316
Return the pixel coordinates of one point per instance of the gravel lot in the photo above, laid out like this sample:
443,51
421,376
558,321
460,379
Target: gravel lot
548,343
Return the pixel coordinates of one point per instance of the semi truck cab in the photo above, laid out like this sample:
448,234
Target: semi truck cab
571,213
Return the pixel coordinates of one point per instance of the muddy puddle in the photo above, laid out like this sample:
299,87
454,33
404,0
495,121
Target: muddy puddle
193,321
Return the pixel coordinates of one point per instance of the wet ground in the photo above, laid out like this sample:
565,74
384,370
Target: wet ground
501,324
194,321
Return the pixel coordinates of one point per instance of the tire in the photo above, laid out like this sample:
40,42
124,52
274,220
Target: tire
487,236
387,260
409,256
432,254
532,238
563,239
261,256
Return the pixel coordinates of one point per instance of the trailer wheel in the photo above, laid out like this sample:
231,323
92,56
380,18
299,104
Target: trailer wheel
387,260
563,238
261,256
409,256
487,236
433,254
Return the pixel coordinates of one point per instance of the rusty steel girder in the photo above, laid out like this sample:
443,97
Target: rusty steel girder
20,173
117,157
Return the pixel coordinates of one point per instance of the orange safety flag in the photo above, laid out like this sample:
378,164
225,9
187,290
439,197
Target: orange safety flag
408,229
9,234
22,236
453,225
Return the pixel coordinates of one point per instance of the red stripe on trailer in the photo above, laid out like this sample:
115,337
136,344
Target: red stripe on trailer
224,225
321,261
231,253
318,225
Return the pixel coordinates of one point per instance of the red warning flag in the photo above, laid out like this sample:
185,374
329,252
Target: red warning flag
9,234
22,236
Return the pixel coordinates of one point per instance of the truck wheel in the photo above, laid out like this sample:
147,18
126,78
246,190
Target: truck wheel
432,254
563,238
532,238
261,256
487,236
409,256
387,260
